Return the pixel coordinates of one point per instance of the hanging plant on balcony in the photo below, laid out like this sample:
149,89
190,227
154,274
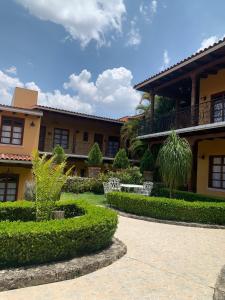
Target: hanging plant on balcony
175,162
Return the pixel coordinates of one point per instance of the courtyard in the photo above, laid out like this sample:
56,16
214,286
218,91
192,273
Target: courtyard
162,262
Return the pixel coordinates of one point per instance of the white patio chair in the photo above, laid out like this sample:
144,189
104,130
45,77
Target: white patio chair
107,187
115,184
147,188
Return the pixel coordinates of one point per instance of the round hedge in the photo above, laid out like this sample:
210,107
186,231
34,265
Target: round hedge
169,209
85,229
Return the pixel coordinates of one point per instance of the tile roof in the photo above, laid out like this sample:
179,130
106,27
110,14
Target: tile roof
194,55
16,157
70,112
20,109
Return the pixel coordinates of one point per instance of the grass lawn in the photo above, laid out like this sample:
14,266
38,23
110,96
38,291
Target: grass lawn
89,197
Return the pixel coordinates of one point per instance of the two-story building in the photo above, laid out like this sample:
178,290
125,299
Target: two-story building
26,126
197,87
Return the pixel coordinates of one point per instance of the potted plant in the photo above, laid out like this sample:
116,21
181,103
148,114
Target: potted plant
94,161
121,160
147,165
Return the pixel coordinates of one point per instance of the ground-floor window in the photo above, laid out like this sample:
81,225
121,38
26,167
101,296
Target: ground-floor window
217,172
8,187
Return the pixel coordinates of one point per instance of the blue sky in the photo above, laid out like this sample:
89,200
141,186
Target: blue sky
87,55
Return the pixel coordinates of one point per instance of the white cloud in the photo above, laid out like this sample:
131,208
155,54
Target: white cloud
84,20
166,60
154,5
134,37
11,70
110,95
209,41
148,10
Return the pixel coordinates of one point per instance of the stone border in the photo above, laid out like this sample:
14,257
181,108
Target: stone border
199,225
15,278
219,291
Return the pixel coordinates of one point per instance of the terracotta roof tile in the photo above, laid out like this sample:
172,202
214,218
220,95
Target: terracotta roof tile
16,157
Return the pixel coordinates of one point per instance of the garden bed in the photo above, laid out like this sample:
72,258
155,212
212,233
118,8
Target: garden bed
168,209
25,241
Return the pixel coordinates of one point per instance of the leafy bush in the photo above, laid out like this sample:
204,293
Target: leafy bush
17,211
147,162
77,184
59,154
121,160
49,180
175,161
187,196
168,209
95,156
25,243
29,193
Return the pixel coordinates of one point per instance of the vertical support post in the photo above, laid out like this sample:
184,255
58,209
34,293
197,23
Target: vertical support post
177,120
152,98
193,98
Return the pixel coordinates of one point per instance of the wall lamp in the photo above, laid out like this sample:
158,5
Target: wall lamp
32,124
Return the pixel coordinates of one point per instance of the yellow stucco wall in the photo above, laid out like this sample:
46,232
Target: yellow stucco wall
24,98
205,149
30,135
24,175
209,86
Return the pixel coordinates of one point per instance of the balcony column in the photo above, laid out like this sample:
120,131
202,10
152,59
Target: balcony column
177,112
193,98
152,108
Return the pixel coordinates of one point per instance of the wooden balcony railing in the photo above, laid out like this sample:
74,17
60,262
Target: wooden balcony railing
204,113
80,148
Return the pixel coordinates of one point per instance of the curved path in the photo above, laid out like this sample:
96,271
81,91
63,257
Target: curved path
163,262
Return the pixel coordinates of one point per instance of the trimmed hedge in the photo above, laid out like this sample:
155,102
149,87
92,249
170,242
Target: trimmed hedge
31,242
168,209
187,196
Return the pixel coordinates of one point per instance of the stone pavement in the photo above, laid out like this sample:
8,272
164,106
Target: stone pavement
163,262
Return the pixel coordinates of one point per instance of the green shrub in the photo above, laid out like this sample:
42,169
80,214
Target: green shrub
77,184
168,209
121,160
147,162
59,154
95,156
30,242
187,196
18,210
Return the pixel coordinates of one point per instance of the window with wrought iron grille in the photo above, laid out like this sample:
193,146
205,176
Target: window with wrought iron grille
218,107
12,131
61,137
217,172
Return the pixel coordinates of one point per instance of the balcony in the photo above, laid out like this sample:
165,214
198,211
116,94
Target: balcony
207,112
79,149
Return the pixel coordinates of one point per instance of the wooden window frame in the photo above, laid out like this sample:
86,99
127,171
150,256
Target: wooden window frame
7,175
68,135
85,136
212,105
13,120
211,164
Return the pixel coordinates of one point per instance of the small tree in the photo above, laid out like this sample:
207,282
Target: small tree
59,154
147,162
175,161
49,180
95,156
121,160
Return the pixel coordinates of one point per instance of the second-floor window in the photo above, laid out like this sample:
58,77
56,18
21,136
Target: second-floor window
12,131
85,136
218,111
61,137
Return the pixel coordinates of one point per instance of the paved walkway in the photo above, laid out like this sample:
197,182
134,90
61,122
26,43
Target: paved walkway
163,262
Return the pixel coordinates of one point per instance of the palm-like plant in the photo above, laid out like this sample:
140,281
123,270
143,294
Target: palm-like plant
175,161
